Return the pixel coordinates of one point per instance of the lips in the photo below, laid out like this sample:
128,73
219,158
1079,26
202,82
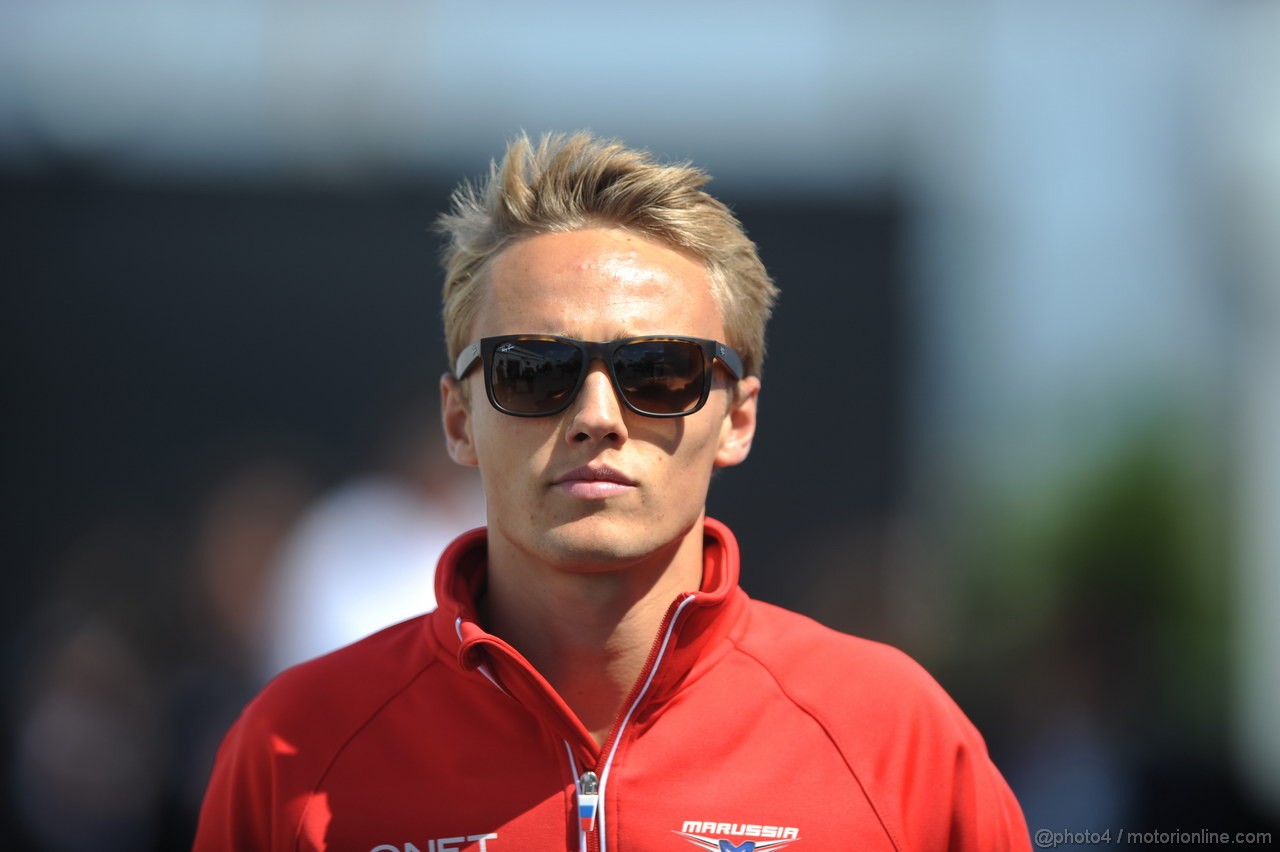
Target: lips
595,473
594,482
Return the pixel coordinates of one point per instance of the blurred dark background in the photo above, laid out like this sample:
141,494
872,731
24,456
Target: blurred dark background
1019,413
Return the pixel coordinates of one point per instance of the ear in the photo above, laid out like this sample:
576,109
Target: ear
455,416
739,425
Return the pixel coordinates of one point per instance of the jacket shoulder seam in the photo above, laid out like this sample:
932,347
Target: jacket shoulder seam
373,714
826,729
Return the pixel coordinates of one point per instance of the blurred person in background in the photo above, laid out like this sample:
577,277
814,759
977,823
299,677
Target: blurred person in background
364,556
244,516
141,654
594,675
90,745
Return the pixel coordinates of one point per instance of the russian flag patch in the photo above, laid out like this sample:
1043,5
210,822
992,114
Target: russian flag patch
587,810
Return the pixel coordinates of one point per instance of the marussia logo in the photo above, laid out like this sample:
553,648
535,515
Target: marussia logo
723,845
772,836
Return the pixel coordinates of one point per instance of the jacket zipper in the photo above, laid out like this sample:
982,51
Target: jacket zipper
594,835
588,801
590,785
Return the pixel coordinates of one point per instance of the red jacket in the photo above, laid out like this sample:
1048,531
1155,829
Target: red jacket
750,729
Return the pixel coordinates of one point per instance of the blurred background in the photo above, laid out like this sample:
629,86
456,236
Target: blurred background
1021,413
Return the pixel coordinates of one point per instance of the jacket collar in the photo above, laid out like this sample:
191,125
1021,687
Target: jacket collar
698,636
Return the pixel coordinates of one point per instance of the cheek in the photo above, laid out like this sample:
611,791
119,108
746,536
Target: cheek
506,446
696,453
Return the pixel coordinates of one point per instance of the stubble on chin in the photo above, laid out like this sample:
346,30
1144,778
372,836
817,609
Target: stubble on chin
600,544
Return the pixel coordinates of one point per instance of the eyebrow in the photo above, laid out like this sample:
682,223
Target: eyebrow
619,333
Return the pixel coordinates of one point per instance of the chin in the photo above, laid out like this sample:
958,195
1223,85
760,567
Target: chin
598,543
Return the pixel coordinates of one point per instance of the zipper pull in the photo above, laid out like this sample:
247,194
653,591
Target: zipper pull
588,800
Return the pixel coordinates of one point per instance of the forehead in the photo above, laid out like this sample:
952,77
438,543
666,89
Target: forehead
598,283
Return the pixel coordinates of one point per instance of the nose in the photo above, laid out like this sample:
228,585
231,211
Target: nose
597,413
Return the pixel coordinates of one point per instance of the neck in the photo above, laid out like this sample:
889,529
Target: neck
588,630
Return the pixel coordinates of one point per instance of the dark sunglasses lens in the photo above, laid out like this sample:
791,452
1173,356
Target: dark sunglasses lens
534,376
660,376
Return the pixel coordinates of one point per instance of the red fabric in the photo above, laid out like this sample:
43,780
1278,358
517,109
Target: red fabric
757,725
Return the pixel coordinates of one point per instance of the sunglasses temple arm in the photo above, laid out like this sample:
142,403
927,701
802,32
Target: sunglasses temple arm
730,359
466,358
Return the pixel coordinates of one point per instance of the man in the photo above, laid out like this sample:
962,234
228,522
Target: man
593,678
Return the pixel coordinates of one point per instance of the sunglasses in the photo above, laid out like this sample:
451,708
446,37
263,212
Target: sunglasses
537,375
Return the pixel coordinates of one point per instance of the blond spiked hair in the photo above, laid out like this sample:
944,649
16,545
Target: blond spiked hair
572,182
